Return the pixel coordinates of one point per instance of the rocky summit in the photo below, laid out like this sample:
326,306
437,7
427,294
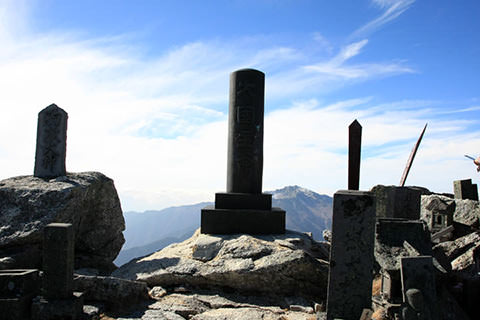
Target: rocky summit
289,264
87,200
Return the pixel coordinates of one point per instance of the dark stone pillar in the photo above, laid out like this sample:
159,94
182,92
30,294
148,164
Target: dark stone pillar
352,255
354,152
464,189
244,208
245,132
58,256
51,143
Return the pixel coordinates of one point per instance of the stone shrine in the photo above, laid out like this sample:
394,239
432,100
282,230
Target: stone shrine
244,208
51,143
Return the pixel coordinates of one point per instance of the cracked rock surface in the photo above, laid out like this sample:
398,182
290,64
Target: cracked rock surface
289,264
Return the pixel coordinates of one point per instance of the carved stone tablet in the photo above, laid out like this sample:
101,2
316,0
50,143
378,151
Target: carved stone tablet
245,132
351,255
51,143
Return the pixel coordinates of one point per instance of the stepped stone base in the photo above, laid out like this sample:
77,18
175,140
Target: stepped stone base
249,221
225,200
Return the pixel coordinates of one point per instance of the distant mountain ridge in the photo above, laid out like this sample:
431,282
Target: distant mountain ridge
146,232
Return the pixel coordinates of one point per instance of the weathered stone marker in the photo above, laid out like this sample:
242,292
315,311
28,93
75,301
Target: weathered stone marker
351,255
244,208
464,189
51,143
58,301
58,255
354,154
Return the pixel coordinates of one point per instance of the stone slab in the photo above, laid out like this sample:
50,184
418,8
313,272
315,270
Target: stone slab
418,273
351,255
261,201
19,282
58,260
66,309
398,202
230,221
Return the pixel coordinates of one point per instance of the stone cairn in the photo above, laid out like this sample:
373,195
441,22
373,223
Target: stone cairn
51,143
244,208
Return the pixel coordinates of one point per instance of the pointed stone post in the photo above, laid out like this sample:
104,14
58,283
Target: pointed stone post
354,152
51,143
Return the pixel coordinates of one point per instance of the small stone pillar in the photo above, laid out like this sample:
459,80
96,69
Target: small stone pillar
51,143
244,208
354,154
351,256
464,189
58,300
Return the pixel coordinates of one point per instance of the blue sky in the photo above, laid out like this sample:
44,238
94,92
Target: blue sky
145,84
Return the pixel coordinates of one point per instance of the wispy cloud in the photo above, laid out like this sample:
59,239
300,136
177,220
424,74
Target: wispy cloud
337,67
392,9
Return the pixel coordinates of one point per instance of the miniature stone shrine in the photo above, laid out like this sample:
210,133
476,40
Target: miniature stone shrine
244,208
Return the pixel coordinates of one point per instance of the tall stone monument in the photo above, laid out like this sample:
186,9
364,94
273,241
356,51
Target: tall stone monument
51,143
352,255
244,208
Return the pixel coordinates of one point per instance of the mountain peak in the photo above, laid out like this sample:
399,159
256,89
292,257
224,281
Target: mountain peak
290,192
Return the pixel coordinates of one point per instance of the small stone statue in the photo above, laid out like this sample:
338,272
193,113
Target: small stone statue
414,308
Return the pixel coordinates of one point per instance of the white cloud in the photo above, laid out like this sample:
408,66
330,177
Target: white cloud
392,10
157,125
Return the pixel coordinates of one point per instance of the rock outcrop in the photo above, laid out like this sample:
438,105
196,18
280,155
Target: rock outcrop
87,200
291,264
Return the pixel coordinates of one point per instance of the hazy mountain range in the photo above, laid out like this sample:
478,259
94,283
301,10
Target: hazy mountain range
150,231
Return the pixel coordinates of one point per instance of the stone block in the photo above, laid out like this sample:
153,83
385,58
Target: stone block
19,282
17,288
261,201
58,256
351,255
231,221
464,189
70,308
398,202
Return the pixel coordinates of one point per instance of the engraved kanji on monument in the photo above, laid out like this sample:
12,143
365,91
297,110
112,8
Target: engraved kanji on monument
351,255
51,143
354,154
244,208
